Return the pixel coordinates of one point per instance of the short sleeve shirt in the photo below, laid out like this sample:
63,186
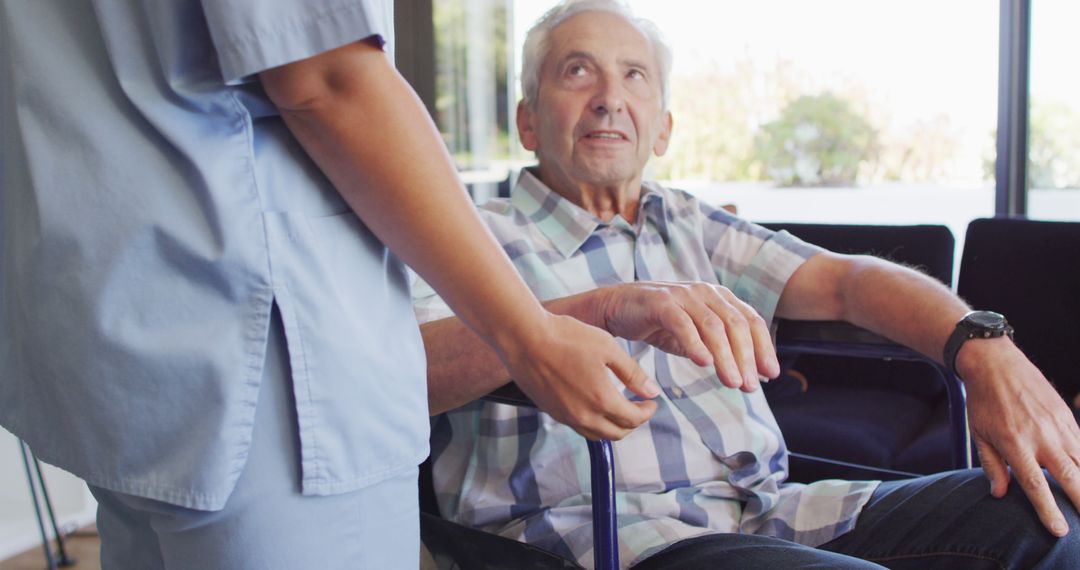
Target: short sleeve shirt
154,208
712,459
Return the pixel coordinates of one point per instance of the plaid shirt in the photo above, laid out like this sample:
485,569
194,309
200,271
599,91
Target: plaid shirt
712,459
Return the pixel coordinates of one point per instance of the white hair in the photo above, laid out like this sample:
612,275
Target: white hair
537,45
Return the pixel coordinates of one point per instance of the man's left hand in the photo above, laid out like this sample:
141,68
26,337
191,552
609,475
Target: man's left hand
1019,422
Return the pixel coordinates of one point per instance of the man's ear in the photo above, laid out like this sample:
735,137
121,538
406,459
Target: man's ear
526,131
661,145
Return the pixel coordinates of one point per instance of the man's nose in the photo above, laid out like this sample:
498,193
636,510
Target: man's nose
608,98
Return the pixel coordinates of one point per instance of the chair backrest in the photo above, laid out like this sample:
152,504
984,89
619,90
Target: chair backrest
1030,272
927,247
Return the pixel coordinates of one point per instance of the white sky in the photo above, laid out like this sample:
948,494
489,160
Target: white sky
1054,52
919,58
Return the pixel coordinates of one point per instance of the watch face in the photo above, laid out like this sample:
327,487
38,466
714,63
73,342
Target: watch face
986,319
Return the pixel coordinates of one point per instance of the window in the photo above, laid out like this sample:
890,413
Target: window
826,110
834,110
1053,163
476,90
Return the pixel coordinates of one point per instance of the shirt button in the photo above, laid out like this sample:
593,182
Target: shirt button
677,392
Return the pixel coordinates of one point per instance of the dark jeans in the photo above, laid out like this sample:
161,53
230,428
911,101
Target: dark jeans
948,520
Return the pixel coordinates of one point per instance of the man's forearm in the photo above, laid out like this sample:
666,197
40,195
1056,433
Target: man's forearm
919,312
904,305
894,301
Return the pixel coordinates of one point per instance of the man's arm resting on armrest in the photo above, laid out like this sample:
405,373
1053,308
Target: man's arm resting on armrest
1017,419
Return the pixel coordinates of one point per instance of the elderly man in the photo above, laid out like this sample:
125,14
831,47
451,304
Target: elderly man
693,289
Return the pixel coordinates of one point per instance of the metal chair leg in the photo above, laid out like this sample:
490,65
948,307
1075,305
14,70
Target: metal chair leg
50,560
64,560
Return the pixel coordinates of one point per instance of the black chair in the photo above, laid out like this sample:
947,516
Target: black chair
885,417
1030,272
454,546
854,416
926,247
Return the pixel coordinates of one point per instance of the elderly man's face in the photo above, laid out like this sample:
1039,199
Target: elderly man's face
598,114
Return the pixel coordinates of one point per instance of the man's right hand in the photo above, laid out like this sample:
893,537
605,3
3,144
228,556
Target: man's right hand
704,322
564,365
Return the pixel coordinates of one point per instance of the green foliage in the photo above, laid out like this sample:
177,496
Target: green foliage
452,45
719,134
717,111
1053,146
818,140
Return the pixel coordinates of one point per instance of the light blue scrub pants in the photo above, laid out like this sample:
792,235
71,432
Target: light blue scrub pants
267,523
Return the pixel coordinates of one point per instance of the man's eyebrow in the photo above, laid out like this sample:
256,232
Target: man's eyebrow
577,54
636,63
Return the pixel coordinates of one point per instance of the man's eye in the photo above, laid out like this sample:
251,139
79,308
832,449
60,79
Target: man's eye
576,70
635,74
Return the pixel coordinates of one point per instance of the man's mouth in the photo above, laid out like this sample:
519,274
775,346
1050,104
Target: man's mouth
606,135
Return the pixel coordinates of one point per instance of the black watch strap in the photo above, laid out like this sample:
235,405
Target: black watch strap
976,324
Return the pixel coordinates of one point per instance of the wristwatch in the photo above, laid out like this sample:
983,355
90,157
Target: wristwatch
976,324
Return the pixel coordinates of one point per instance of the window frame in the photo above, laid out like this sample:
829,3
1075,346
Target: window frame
1014,81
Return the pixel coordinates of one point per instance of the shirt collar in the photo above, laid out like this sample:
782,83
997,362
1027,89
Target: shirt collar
568,225
653,208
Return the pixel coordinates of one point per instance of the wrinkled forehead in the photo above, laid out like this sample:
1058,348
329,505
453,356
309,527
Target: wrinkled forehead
600,34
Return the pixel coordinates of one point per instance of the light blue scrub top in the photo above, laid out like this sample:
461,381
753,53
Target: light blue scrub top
154,206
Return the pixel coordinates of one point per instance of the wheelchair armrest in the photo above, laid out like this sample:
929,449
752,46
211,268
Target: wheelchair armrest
510,394
840,338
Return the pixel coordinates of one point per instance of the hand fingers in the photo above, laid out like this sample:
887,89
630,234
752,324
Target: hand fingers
681,327
994,467
645,408
715,334
1062,458
611,415
709,325
768,364
569,378
619,411
746,333
1066,470
1031,479
630,373
704,338
615,426
741,342
608,431
733,342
